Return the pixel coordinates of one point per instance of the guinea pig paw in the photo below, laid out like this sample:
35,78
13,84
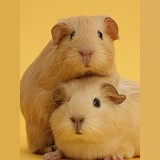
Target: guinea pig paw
50,149
52,156
113,158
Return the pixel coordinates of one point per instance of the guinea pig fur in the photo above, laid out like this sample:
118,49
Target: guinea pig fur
80,47
94,120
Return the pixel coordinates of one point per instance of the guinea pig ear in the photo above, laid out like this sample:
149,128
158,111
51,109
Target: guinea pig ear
111,93
111,28
59,31
60,95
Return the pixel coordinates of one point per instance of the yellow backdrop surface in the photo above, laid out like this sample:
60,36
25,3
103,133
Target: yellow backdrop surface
38,17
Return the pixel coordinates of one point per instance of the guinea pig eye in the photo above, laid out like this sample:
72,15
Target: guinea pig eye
100,35
96,103
72,34
69,99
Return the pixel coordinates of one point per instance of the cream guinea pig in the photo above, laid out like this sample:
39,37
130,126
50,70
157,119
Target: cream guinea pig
94,120
80,46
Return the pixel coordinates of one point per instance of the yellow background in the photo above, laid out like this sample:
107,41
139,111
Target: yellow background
10,73
38,17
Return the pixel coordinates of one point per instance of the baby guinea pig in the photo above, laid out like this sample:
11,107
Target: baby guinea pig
94,120
80,46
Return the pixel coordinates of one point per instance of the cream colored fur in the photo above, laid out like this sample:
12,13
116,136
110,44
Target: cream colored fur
60,63
111,130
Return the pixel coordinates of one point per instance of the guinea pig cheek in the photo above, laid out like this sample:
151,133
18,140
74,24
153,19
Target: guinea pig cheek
72,58
61,125
102,59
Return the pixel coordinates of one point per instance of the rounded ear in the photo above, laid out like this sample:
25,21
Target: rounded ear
111,93
60,95
111,28
59,31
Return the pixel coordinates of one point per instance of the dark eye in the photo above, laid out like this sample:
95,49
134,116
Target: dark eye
72,34
96,103
100,35
69,99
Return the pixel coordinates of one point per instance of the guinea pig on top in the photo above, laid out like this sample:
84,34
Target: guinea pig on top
94,120
80,46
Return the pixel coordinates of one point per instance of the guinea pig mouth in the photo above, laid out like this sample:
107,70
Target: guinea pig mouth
87,66
79,133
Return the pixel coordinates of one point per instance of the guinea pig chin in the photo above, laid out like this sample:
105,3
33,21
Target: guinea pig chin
88,73
85,73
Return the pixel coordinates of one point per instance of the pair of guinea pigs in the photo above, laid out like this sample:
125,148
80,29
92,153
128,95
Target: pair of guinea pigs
73,100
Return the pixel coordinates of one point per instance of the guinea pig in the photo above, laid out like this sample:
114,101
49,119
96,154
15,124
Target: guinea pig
80,47
94,120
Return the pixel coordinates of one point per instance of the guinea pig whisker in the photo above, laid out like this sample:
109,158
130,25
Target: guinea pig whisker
93,133
68,69
59,129
58,60
101,70
57,132
65,56
66,62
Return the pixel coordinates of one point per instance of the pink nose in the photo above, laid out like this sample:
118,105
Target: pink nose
86,56
86,53
77,122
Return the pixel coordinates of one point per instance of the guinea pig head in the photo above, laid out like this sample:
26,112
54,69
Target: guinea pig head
85,44
85,112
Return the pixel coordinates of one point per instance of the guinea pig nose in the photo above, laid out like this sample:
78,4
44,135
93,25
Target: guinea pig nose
78,120
86,53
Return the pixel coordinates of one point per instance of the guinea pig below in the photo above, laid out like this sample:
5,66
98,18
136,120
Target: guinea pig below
94,120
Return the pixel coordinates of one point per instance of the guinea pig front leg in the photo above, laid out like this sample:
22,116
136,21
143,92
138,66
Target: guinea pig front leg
47,149
56,155
113,158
